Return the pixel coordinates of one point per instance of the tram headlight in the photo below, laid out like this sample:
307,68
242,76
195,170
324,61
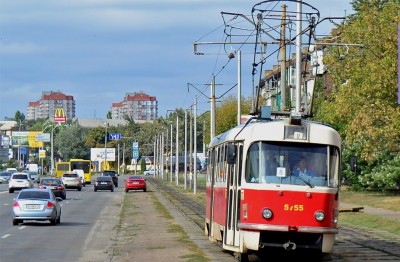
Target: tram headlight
319,215
267,213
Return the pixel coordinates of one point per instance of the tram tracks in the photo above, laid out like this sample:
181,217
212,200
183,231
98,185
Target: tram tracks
352,243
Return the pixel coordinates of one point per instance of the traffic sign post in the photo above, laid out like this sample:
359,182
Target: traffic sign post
135,153
135,150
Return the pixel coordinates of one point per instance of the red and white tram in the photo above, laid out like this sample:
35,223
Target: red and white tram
255,197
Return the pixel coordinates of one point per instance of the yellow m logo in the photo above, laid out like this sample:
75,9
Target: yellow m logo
59,115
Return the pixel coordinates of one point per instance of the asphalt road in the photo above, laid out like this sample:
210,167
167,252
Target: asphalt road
85,217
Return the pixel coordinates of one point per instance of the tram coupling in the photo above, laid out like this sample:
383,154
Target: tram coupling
289,246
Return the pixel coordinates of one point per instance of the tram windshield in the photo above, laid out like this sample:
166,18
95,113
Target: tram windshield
293,163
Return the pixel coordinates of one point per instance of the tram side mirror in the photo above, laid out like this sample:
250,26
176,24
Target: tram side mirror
231,154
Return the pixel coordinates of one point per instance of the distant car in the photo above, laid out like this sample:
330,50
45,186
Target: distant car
103,183
72,180
5,176
135,183
11,169
149,172
34,176
81,174
36,204
113,174
55,185
18,181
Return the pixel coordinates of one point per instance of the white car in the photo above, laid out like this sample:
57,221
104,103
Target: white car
18,181
81,174
150,172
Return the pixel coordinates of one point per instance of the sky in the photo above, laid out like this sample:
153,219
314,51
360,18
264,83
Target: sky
99,50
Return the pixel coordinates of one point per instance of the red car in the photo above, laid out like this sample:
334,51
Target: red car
135,183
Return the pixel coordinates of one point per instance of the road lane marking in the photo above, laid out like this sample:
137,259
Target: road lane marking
6,235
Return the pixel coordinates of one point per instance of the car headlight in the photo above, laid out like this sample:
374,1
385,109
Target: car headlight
267,213
319,215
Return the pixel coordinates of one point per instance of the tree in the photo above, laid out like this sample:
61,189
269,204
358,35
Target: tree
363,103
70,143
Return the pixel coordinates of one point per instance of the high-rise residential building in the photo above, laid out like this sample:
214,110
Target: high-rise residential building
48,103
137,106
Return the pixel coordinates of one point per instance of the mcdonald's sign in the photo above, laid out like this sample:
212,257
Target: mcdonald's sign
59,115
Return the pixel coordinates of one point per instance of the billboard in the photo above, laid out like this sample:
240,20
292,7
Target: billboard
26,138
97,154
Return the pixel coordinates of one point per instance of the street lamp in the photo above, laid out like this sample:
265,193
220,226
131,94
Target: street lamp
105,147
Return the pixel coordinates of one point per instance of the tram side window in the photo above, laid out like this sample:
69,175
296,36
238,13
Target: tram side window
252,164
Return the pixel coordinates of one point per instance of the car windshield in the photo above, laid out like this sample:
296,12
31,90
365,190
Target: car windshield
109,173
70,175
135,177
5,174
103,178
20,177
50,182
34,195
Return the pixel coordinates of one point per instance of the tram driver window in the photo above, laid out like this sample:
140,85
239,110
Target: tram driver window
252,164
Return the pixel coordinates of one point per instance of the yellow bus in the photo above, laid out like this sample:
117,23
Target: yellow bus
85,165
61,168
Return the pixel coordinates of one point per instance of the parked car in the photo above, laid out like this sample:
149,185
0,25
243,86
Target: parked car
135,183
36,204
103,183
5,176
71,180
55,185
149,172
18,181
113,174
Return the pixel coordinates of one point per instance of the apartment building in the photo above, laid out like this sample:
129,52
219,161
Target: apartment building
47,104
137,106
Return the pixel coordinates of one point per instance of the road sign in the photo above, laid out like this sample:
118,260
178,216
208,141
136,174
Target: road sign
115,136
44,137
22,150
135,150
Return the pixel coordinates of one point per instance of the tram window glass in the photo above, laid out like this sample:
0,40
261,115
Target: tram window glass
274,162
334,167
240,157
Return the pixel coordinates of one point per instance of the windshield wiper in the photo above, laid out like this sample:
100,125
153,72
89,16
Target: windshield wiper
305,181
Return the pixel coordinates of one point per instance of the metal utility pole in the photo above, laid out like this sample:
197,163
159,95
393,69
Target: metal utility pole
105,148
283,60
239,113
195,146
190,148
212,111
176,151
170,154
298,56
185,154
162,155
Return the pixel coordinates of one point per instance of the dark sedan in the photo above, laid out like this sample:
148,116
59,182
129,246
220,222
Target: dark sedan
55,184
103,183
135,183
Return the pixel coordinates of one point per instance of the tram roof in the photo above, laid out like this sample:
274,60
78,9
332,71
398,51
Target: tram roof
274,130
